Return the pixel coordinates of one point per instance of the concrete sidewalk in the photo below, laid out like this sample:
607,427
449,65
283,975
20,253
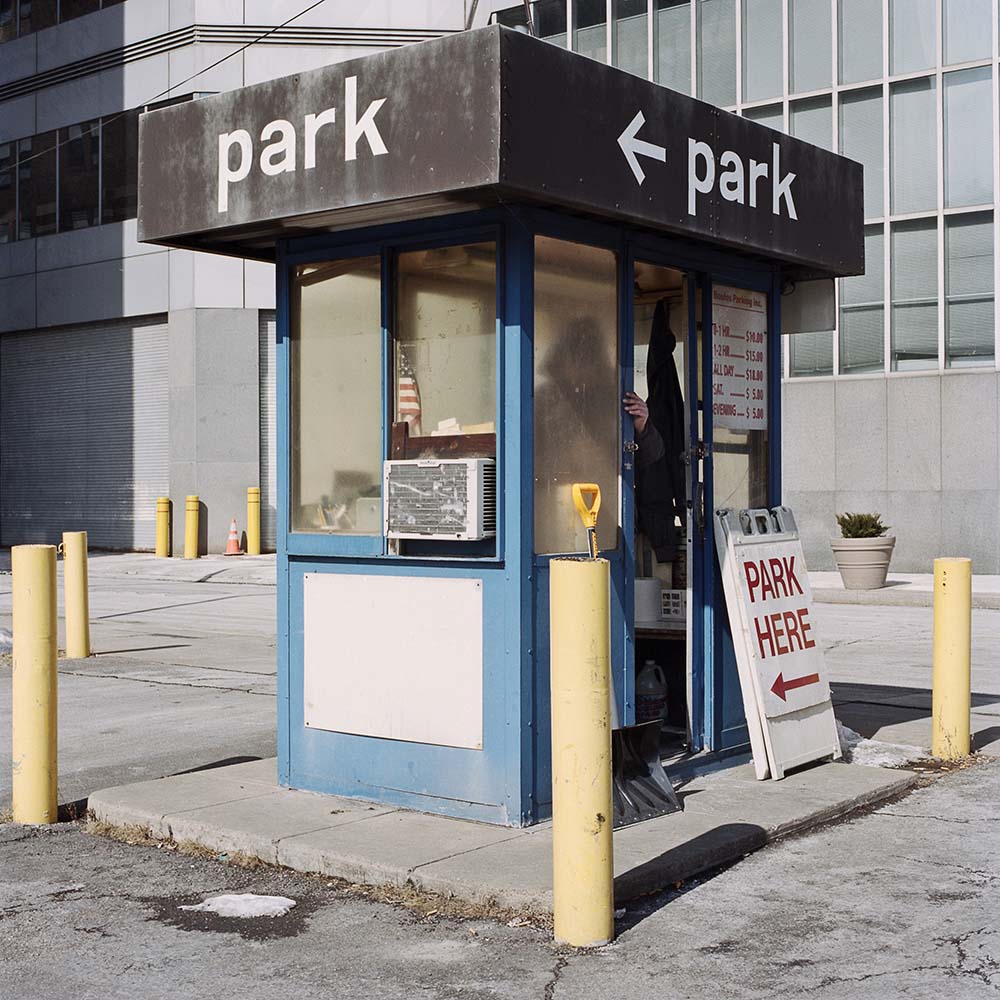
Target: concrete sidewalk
259,570
240,809
915,590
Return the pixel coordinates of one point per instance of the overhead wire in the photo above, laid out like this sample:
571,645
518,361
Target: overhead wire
173,86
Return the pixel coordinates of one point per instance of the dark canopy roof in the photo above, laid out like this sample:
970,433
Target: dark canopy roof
476,118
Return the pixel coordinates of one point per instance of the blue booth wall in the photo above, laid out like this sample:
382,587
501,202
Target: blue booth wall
508,781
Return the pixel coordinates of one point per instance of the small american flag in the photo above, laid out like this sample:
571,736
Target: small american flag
408,396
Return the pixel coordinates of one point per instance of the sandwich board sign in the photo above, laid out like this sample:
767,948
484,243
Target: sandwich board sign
786,695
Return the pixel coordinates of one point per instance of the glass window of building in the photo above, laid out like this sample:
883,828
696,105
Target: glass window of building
913,138
590,23
446,340
717,51
68,9
762,48
549,17
672,41
119,166
631,48
859,40
36,186
79,175
913,35
861,135
811,45
8,192
968,27
335,359
968,147
810,354
8,21
577,401
550,21
812,121
33,15
914,295
862,310
968,241
772,116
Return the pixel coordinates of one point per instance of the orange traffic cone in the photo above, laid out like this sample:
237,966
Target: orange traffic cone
233,542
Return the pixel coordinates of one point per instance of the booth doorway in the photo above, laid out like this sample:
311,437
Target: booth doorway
664,345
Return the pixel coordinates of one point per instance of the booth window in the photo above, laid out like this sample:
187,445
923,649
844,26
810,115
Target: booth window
741,453
336,397
445,339
577,404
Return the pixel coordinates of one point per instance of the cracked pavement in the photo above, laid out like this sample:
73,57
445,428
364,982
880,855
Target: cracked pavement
895,903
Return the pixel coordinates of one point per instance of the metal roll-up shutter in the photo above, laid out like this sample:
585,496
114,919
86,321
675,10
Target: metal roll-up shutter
268,466
84,433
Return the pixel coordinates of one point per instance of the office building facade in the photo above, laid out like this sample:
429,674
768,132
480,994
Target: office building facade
895,409
129,371
114,393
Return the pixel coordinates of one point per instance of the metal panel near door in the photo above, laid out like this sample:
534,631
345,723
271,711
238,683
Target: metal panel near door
268,467
84,432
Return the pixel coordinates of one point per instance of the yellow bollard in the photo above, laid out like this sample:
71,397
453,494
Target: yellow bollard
951,702
191,527
582,864
253,520
162,527
34,687
74,552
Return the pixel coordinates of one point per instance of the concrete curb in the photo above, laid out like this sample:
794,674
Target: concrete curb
241,810
896,598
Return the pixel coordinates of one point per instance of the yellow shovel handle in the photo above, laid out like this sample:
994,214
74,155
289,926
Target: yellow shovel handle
587,511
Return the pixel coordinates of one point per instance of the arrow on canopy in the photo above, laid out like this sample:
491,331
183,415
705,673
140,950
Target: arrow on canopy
633,148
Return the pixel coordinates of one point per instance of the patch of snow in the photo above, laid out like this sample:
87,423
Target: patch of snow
6,641
874,753
244,905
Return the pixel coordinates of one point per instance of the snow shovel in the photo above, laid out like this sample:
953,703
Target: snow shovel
641,788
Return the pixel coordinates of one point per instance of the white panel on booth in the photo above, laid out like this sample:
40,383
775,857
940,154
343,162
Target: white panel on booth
398,657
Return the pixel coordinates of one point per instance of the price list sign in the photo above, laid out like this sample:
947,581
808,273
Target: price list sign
739,362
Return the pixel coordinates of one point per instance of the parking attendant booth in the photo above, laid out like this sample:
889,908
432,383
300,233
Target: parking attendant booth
483,245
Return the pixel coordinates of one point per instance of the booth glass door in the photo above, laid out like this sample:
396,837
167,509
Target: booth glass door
662,352
739,361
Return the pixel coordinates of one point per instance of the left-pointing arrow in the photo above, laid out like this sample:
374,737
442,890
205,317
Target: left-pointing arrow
633,148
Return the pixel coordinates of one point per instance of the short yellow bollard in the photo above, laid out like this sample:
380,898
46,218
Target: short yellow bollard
77,602
34,689
951,702
162,527
191,508
582,863
253,520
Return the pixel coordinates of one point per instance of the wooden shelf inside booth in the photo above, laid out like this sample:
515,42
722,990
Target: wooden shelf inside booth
403,446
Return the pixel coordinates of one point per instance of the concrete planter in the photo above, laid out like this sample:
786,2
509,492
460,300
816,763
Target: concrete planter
863,562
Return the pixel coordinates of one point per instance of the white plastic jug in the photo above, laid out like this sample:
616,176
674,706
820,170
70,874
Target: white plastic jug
650,693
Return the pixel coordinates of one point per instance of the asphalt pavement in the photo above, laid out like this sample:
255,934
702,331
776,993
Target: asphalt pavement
902,902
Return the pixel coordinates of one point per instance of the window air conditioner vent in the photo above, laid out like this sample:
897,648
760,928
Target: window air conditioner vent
440,498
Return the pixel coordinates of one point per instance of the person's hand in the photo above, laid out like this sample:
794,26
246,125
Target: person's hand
636,408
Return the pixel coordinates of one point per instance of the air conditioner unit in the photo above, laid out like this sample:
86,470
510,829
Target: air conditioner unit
454,498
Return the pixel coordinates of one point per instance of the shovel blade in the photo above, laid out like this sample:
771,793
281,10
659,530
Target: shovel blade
642,789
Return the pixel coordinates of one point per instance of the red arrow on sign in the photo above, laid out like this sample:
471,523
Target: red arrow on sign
780,686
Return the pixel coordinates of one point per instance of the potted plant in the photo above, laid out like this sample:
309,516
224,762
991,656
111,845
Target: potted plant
864,551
